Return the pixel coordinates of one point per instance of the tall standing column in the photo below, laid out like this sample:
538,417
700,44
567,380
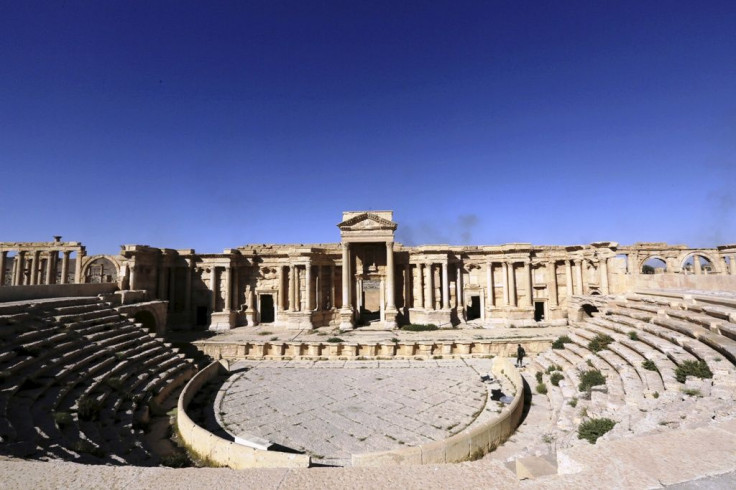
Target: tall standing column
49,268
552,283
603,265
578,276
332,286
512,284
407,286
292,287
429,299
733,264
505,277
308,287
65,267
528,284
445,287
391,297
3,258
568,278
188,290
35,267
419,300
318,300
213,286
459,300
227,286
16,263
345,276
490,293
78,267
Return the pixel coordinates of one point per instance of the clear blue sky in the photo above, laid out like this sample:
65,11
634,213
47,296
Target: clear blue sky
210,125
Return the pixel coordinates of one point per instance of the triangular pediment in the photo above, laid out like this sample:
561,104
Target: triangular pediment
367,221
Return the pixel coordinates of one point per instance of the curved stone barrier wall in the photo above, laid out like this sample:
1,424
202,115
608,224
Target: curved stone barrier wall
218,450
468,444
381,350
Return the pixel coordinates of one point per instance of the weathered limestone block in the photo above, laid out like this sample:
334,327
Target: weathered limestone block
406,348
350,350
387,349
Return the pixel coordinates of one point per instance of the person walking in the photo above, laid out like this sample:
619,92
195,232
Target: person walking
520,353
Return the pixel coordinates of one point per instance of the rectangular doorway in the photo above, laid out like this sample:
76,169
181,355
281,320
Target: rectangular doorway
266,308
201,312
474,308
538,311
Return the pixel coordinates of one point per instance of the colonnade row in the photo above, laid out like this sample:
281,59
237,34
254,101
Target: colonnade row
423,277
39,267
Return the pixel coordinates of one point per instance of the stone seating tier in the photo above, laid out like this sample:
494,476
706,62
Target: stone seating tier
61,351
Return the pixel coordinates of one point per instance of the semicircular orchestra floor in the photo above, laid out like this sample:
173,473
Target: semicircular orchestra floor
332,409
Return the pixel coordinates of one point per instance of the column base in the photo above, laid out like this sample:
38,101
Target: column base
250,318
389,318
222,320
346,319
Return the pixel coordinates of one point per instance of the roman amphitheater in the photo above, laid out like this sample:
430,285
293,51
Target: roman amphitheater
368,364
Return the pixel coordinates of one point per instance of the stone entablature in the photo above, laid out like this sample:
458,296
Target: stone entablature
369,278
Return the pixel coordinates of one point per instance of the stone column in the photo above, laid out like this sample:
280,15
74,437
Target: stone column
213,286
332,286
552,282
733,264
512,284
419,300
3,258
568,277
490,292
407,286
227,287
188,290
292,287
391,299
65,266
319,302
49,268
35,268
459,300
283,288
528,284
505,277
345,275
697,269
445,288
578,276
308,286
78,267
603,266
16,263
429,299
133,276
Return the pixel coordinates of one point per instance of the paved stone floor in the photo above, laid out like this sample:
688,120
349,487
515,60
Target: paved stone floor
332,409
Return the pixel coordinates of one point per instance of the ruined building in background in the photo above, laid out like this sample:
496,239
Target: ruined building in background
369,279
